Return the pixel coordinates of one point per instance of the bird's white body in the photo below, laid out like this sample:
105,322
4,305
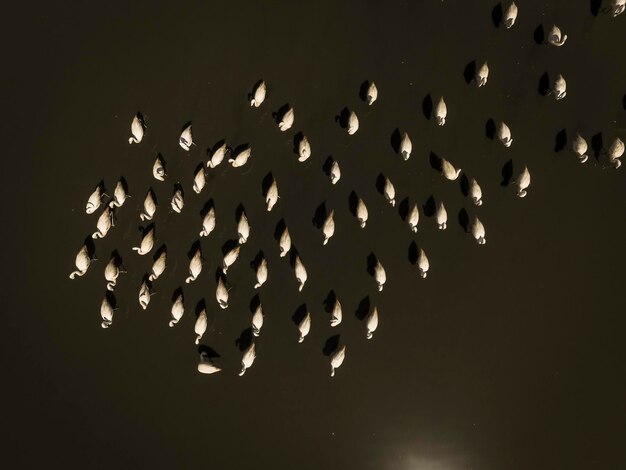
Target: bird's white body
380,275
243,228
372,93
112,272
147,243
158,266
286,120
158,169
94,201
119,195
371,323
248,358
337,359
522,182
580,147
335,172
186,138
478,231
199,180
271,198
257,321
105,222
328,229
617,7
201,325
221,293
230,258
353,123
406,146
217,156
413,217
178,310
259,95
441,215
390,192
361,213
178,202
475,193
241,158
441,112
206,365
208,223
482,74
559,88
195,266
304,326
449,171
82,262
504,134
144,295
336,314
304,149
106,312
136,130
422,263
510,15
284,243
615,152
261,273
301,275
555,37
149,206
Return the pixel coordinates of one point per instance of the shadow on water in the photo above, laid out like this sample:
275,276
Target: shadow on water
299,314
208,351
194,247
245,339
395,140
371,263
280,228
560,140
177,292
464,184
490,129
363,90
254,303
470,72
239,211
327,166
278,115
413,252
320,215
342,118
427,106
380,183
435,161
185,126
429,206
464,220
229,245
624,102
539,35
363,308
254,264
331,345
162,249
329,301
544,84
91,248
206,208
497,14
594,7
353,201
297,138
507,173
597,144
200,306
268,179
293,254
403,209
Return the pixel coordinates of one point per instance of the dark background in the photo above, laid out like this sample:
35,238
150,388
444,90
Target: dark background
509,355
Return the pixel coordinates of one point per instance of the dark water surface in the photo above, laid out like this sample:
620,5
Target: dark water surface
509,355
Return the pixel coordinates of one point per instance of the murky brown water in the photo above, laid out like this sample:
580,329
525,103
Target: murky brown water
509,355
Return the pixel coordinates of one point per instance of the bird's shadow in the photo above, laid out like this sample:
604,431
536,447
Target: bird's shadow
353,202
245,339
380,183
239,211
464,220
624,102
395,140
111,299
413,252
464,184
435,161
327,165
268,179
206,208
430,206
162,249
177,293
194,247
507,173
496,15
117,257
185,126
280,228
255,302
299,314
427,106
560,140
331,345
544,84
539,35
597,144
342,118
490,129
371,263
297,138
256,262
363,308
178,187
163,162
594,7
293,254
329,301
278,115
229,245
200,306
403,209
91,247
320,215
208,351
469,72
363,90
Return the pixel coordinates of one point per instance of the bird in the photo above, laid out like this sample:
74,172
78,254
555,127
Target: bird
257,320
158,266
258,96
304,326
149,206
286,120
271,197
304,149
481,75
555,37
95,200
372,94
178,310
335,172
221,293
248,358
200,326
617,7
119,194
158,169
337,359
413,217
261,273
147,242
105,222
475,193
241,158
195,266
478,231
178,201
441,112
243,228
422,263
579,146
559,88
301,275
441,215
615,152
199,180
136,129
217,156
186,138
390,192
361,213
522,182
106,312
208,222
284,243
328,228
353,123
504,134
83,260
380,276
112,271
371,323
449,171
206,365
336,314
406,146
144,295
510,16
230,258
